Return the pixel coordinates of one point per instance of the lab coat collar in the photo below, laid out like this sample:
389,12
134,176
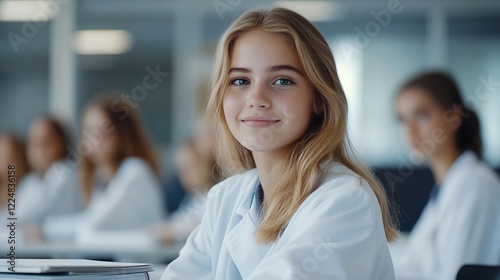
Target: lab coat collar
241,243
253,180
245,252
248,197
467,158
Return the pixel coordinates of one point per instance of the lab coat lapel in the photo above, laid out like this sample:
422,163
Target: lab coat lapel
466,159
245,252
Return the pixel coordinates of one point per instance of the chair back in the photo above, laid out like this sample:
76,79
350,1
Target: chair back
478,272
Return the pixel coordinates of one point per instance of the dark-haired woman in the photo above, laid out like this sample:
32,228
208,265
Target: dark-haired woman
460,223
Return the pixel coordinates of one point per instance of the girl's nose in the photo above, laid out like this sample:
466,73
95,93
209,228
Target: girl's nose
258,98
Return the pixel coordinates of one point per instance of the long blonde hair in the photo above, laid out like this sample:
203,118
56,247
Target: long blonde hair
326,139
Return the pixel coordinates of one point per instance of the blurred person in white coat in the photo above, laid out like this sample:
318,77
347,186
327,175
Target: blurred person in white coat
196,167
298,206
120,184
15,171
55,189
460,224
198,172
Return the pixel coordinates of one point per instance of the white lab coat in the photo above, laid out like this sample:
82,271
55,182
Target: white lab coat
461,226
337,233
180,224
57,193
131,200
187,216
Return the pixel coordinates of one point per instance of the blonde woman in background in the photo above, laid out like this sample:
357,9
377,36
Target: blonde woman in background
297,206
197,171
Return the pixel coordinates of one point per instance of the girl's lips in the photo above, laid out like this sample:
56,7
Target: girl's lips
259,123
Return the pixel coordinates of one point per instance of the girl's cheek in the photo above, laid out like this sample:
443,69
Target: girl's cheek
292,108
428,129
231,105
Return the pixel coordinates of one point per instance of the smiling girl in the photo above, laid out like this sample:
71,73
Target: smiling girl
297,206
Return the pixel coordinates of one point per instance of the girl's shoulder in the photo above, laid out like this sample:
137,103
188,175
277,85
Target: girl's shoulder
134,170
134,165
340,180
236,185
336,178
234,194
30,179
469,171
343,199
29,183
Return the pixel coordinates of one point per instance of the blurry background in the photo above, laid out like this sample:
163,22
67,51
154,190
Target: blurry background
57,55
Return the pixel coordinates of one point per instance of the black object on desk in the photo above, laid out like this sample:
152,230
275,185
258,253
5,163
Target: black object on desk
72,269
476,272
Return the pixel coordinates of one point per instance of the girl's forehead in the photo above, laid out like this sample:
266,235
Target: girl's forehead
262,39
259,48
414,99
94,115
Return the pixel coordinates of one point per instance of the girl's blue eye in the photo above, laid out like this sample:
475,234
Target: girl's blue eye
240,82
422,116
283,82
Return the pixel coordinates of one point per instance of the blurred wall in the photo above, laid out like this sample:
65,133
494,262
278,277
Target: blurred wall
179,37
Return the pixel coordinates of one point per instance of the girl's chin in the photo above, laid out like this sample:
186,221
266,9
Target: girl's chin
420,155
257,148
94,159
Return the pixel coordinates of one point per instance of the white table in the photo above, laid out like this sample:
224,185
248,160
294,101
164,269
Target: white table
127,253
159,269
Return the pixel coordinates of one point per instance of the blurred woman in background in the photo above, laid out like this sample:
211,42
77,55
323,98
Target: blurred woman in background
119,174
460,222
57,190
197,171
12,153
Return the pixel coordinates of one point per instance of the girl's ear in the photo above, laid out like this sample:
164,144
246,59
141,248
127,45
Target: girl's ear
318,106
456,118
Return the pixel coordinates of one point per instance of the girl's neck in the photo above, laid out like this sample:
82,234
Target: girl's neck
440,164
42,172
266,166
106,171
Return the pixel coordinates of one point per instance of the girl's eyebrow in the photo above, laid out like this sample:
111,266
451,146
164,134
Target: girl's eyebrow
274,68
239,69
277,68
